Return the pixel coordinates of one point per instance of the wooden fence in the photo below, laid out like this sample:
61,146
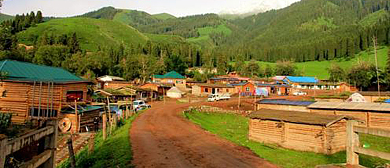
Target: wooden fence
353,145
45,159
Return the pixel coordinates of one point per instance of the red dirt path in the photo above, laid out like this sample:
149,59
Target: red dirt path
161,137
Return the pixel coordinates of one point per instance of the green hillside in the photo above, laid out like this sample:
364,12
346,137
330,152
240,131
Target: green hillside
4,17
163,16
319,68
92,33
134,18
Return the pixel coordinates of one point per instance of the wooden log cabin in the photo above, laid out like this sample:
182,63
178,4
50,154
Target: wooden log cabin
35,92
375,115
299,131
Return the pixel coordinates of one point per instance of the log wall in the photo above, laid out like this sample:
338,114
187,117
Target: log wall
302,137
20,98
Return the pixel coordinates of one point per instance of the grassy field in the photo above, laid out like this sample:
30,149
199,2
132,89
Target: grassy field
163,16
235,128
319,68
91,32
114,152
4,17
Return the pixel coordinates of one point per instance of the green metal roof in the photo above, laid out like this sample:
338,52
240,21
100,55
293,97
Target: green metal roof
23,71
81,109
170,75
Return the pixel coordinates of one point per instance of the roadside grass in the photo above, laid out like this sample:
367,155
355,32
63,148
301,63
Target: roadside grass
114,152
235,128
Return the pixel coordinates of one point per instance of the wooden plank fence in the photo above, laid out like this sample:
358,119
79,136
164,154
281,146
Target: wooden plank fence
353,144
45,159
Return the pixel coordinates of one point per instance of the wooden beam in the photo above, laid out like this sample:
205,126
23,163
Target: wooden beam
374,153
38,160
25,140
352,142
372,131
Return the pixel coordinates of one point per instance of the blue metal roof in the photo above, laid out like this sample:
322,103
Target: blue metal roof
302,79
387,101
284,102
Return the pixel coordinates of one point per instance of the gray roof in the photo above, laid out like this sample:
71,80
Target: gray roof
380,107
297,117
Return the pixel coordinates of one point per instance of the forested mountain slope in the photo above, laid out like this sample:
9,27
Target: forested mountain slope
312,30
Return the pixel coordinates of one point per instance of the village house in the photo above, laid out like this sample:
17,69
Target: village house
300,82
111,82
299,131
207,89
170,78
244,89
160,88
130,93
35,92
275,89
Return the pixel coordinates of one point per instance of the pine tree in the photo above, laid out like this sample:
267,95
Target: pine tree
39,17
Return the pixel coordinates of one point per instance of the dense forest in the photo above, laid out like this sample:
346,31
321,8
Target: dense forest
135,45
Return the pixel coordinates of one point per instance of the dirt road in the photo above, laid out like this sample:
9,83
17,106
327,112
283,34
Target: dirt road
162,138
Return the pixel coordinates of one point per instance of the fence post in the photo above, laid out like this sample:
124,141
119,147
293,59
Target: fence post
104,126
3,149
71,153
51,143
352,143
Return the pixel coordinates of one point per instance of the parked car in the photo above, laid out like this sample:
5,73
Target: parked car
218,97
140,104
299,93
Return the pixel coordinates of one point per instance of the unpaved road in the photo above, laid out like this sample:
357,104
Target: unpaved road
161,137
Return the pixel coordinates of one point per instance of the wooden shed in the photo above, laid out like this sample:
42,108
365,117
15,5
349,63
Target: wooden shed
30,91
375,115
299,131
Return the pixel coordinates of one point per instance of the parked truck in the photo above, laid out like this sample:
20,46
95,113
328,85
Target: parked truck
218,97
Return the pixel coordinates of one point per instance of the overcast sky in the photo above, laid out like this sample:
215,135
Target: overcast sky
62,8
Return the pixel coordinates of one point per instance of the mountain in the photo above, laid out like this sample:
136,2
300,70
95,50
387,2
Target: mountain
133,18
311,30
4,17
92,33
202,30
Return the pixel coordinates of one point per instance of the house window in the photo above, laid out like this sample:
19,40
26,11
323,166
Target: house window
71,96
248,89
206,90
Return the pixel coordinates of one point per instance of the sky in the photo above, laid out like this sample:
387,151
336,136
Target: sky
65,8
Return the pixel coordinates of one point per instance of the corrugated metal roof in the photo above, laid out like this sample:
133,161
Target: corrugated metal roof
296,117
214,85
272,85
170,75
284,102
302,79
351,106
23,71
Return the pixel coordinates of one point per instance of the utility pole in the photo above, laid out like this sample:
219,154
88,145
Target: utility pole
374,39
